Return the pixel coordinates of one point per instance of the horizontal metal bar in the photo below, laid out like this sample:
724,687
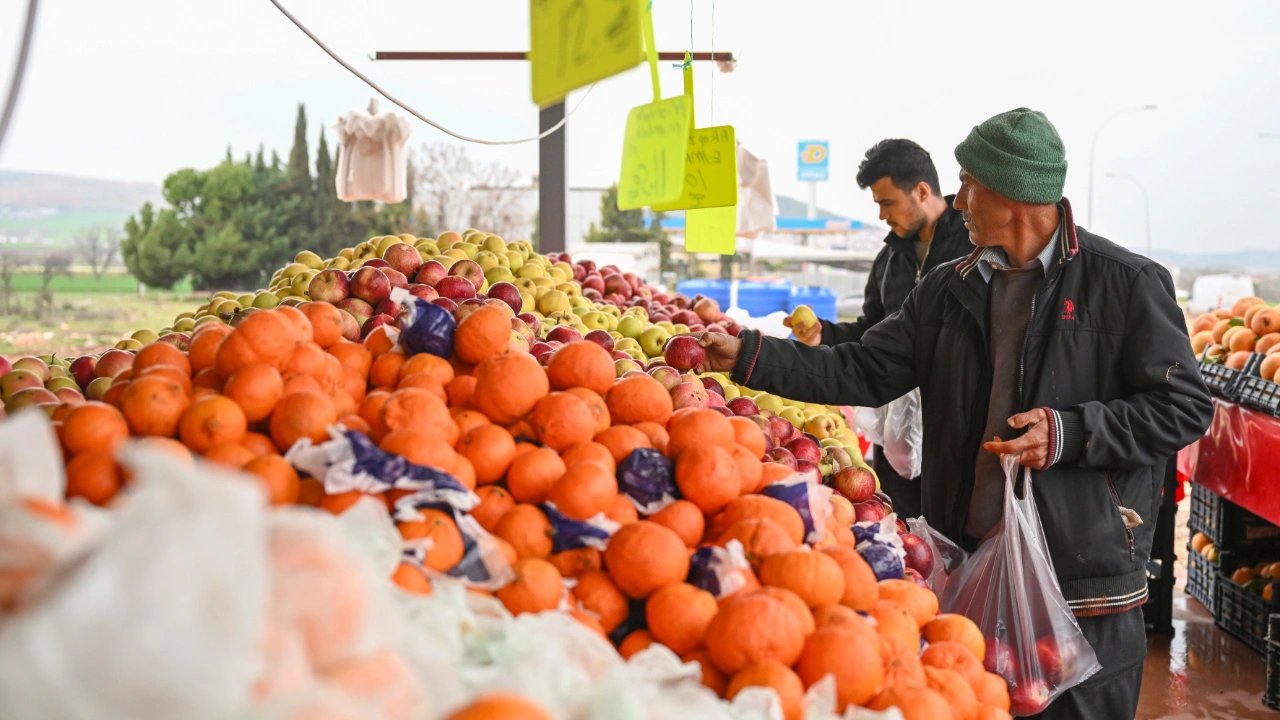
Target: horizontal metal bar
508,55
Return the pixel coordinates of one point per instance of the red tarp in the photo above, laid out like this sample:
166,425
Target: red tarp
1239,459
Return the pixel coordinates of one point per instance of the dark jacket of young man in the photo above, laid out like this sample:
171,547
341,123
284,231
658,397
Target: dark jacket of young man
896,270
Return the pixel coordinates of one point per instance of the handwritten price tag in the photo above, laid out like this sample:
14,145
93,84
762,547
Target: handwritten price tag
710,171
577,42
654,149
711,230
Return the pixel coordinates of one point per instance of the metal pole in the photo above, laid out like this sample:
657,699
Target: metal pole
813,200
553,203
1093,151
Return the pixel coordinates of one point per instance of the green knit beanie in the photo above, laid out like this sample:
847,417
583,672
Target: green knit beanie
1017,154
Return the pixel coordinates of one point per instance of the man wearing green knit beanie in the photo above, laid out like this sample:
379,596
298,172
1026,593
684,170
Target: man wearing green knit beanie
1057,347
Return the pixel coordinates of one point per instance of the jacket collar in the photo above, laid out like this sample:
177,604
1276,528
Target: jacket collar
1068,242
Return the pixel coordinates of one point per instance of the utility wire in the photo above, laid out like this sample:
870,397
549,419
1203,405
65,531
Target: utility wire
19,70
466,138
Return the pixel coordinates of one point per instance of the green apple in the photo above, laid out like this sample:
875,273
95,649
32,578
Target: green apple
494,244
653,339
553,301
526,285
128,344
146,337
667,325
626,343
803,317
291,270
731,392
487,260
821,426
498,274
793,415
338,263
772,403
265,300
515,260
595,320
631,326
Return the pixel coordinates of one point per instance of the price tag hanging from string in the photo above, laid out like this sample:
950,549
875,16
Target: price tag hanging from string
655,143
573,43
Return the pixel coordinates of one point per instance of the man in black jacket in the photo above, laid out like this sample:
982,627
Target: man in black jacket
925,231
1067,348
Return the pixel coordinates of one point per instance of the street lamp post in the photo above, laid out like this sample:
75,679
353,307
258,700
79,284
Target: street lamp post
1146,203
1093,149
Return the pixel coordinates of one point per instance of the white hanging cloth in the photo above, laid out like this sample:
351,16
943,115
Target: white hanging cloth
756,213
373,164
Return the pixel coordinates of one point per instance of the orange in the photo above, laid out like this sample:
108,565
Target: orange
153,405
954,656
777,677
161,353
94,475
919,601
385,371
509,386
712,678
527,529
482,334
202,353
420,448
326,322
353,356
685,519
915,703
678,615
656,433
951,626
431,365
585,490
279,478
707,476
264,337
411,579
495,501
537,587
256,388
843,651
896,625
588,452
581,363
597,594
622,510
500,706
490,449
445,547
467,420
954,690
699,426
634,643
93,425
302,415
637,399
381,339
459,389
561,419
573,563
749,435
621,440
232,455
533,474
259,444
212,420
418,409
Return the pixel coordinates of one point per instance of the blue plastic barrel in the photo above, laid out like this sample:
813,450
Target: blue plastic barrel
717,290
821,299
759,299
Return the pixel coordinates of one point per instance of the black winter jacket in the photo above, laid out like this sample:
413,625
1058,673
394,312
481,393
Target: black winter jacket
895,271
1106,348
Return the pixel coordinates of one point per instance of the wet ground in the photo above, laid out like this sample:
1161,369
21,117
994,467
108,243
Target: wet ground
1200,671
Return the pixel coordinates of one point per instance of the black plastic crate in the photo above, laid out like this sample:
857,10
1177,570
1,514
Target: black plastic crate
1206,512
1202,581
1262,395
1224,381
1241,612
1271,695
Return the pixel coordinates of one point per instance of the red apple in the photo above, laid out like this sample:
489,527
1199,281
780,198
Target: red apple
354,306
783,456
617,285
370,285
395,277
17,380
592,294
422,291
331,286
507,293
915,577
469,269
1028,698
531,320
743,406
180,340
387,307
403,257
565,334
999,658
456,287
376,322
69,395
713,386
667,375
538,349
689,394
723,411
601,338
430,272
593,281
1057,662
919,556
783,430
579,273
350,327
111,362
5,365
684,352
856,484
446,303
375,263
82,370
707,309
685,317
870,510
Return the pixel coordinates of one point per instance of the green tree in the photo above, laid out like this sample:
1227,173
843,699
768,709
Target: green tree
299,173
157,247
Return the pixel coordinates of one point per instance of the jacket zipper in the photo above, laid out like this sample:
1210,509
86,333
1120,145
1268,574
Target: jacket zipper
1022,358
1115,497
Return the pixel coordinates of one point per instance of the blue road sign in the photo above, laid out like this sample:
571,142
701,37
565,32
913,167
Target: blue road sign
813,157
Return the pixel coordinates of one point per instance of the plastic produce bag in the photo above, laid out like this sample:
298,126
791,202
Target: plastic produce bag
162,619
947,555
424,326
1008,587
880,545
808,496
647,478
902,434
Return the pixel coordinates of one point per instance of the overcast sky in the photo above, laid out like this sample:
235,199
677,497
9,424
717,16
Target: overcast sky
134,89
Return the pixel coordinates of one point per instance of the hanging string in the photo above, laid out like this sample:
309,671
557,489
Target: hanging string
713,63
465,138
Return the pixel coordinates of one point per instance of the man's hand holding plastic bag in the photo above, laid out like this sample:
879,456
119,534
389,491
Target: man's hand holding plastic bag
1008,587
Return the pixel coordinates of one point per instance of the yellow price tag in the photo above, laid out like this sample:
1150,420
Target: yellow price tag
711,230
573,43
653,153
710,170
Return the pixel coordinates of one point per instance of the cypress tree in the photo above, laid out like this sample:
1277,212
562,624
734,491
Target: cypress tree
299,172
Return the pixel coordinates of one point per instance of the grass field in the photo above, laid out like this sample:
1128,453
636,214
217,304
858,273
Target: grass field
89,321
65,225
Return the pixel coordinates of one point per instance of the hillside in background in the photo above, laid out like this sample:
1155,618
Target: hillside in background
42,208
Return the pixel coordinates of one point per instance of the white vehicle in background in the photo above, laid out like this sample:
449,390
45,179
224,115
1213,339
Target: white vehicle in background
1210,292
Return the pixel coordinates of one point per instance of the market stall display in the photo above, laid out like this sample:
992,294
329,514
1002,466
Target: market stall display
491,468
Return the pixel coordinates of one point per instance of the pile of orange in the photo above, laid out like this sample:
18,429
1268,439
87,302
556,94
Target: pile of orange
521,435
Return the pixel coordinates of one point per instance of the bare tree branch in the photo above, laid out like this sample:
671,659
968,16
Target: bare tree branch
459,192
99,245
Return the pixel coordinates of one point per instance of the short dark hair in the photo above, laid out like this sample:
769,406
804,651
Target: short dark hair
902,161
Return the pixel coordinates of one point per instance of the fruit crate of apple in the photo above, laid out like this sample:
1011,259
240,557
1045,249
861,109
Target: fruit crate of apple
653,505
